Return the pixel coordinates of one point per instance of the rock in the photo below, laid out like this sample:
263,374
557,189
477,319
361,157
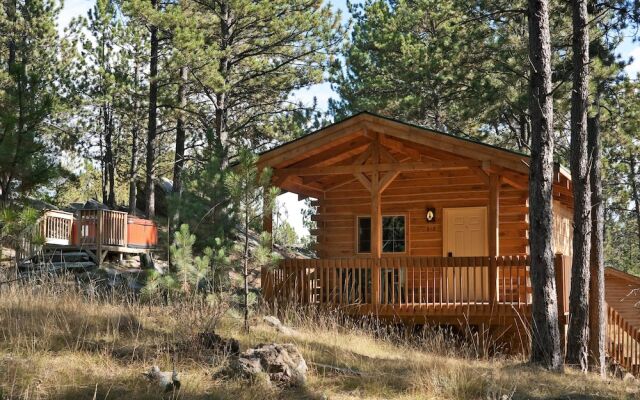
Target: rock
628,377
280,327
282,364
167,381
213,341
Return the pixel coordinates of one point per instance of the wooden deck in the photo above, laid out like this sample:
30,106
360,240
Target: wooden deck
94,231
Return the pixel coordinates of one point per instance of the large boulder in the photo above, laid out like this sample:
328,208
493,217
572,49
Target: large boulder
280,364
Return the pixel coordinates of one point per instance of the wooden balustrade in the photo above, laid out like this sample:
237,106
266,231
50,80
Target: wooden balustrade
623,342
403,281
55,227
104,227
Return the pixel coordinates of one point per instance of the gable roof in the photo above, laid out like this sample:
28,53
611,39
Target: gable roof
327,149
451,135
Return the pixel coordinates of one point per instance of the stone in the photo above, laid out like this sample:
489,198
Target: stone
280,327
166,381
281,364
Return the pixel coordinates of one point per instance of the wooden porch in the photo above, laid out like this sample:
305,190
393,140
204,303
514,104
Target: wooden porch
416,289
96,232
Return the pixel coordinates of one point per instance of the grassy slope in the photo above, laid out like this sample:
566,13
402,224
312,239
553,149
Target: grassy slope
55,343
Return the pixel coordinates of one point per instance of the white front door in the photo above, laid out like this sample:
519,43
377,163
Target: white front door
465,235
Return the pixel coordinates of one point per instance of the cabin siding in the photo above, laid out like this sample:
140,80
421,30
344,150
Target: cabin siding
410,194
562,229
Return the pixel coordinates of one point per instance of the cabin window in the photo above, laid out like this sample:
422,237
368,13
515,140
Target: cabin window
364,235
393,234
393,238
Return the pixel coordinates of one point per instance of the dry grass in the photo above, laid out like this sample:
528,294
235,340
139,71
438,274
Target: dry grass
57,342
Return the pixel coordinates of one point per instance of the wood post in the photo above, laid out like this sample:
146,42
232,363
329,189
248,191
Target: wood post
265,275
493,235
99,227
376,221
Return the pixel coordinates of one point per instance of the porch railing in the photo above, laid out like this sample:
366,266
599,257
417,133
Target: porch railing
623,342
56,226
429,282
104,227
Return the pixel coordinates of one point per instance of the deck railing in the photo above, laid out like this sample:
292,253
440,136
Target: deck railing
623,342
56,226
403,281
104,227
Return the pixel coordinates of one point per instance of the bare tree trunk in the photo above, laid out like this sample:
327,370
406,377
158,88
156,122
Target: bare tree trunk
226,22
152,124
597,318
178,163
109,161
135,131
578,334
545,339
245,269
633,179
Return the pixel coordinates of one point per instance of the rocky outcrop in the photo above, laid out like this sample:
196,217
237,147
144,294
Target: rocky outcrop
279,364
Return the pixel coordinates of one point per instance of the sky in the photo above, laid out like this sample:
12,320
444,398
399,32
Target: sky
322,92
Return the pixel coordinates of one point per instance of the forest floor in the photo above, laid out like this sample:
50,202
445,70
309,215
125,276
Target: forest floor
58,342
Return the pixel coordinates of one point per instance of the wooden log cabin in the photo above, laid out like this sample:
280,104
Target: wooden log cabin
414,225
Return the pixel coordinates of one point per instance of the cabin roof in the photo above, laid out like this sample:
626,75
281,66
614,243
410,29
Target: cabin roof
467,138
339,144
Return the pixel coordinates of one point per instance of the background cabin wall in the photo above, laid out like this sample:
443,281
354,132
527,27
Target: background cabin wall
410,194
562,229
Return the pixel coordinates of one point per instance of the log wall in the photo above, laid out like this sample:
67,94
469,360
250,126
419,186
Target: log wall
410,194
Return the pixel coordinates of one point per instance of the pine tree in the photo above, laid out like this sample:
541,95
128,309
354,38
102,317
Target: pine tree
545,335
29,98
251,196
578,334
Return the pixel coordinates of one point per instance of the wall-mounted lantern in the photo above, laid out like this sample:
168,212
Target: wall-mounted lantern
431,214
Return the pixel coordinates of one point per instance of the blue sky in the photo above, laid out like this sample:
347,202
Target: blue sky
322,92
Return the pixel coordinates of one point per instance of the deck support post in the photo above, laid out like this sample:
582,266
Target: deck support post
493,235
376,223
265,276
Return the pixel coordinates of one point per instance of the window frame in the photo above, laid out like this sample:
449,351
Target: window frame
384,254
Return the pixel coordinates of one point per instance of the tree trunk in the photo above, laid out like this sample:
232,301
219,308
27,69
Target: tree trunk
152,124
135,131
178,163
108,159
578,334
633,179
245,269
221,97
597,319
545,339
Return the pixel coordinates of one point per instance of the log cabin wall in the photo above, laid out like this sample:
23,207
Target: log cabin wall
562,229
410,194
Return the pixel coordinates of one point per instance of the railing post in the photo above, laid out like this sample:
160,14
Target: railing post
99,226
375,283
493,281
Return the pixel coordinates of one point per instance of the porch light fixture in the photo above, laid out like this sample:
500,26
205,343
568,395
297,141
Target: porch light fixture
431,214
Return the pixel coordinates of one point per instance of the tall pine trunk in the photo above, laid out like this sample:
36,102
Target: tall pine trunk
135,132
633,180
578,334
109,162
226,22
178,163
597,318
545,335
152,124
